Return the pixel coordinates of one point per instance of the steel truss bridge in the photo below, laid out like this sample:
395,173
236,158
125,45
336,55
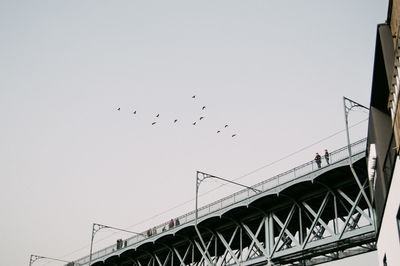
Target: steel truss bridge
305,216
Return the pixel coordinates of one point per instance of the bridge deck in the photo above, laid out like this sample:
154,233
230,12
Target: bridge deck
272,186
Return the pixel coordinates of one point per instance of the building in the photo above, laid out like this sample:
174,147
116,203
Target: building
384,137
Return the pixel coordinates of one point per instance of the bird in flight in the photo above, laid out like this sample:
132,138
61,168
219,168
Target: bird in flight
226,126
134,112
218,131
233,135
202,117
157,115
153,123
194,123
204,107
119,109
194,96
176,120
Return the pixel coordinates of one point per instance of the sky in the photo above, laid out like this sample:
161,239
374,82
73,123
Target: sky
274,71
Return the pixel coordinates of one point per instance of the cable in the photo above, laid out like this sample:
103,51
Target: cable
285,157
212,190
302,149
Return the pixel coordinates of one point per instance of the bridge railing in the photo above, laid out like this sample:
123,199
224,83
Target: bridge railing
273,182
268,184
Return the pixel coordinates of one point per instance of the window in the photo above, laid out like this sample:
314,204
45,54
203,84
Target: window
398,221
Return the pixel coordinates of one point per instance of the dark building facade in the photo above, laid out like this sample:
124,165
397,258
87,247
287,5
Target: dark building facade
384,137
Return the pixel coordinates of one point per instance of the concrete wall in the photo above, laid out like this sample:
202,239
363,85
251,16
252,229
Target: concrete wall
389,237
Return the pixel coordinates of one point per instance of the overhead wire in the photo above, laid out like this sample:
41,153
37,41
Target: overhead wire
214,189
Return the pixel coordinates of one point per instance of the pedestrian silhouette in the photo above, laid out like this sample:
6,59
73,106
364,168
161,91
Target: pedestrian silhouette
318,160
327,156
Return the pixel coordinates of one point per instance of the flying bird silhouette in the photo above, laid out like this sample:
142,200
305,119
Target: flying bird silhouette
233,135
202,117
204,107
226,126
194,96
218,131
134,112
153,123
119,109
194,123
157,115
176,120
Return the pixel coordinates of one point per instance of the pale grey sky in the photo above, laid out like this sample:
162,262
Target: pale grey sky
275,71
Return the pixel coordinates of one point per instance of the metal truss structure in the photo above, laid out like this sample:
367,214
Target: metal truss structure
324,218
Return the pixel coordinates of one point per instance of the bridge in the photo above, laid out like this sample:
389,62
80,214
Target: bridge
305,216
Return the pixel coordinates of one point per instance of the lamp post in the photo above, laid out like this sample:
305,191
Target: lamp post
200,177
34,258
97,227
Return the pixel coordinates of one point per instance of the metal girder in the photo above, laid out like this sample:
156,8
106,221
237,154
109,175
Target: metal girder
256,248
350,214
227,246
182,259
250,249
256,241
283,236
354,203
160,263
326,225
205,252
316,218
284,228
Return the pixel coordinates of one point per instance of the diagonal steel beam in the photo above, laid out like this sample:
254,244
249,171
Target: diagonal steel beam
257,233
283,228
202,241
204,253
227,246
230,242
361,187
351,213
352,203
258,244
158,260
203,256
167,258
319,216
151,262
316,218
182,260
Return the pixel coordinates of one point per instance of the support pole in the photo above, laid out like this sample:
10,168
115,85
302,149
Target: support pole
198,181
200,177
34,258
347,109
97,227
94,230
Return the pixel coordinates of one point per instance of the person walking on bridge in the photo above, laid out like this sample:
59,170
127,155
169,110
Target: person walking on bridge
318,160
327,156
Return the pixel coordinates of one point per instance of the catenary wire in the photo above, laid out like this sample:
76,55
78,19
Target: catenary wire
212,190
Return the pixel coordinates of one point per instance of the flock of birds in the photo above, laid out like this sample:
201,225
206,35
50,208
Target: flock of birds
176,120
